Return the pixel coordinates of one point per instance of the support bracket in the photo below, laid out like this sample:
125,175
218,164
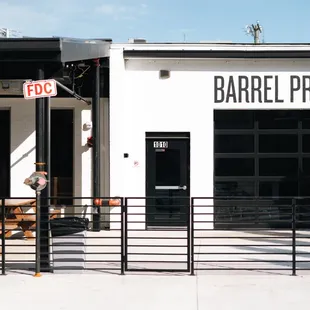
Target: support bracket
73,93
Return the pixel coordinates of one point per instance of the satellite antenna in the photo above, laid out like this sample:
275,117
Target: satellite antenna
254,31
9,33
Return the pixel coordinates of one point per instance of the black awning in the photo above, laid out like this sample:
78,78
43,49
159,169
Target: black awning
20,57
51,50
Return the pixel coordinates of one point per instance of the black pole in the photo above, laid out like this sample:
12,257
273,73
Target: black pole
294,237
123,219
47,147
192,238
46,193
96,145
41,166
3,236
38,235
125,233
188,220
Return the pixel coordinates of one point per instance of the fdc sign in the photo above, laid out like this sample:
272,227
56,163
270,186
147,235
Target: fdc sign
40,89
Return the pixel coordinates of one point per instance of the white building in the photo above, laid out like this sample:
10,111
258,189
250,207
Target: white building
205,120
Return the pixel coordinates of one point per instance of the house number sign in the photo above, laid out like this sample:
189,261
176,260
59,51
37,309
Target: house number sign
160,144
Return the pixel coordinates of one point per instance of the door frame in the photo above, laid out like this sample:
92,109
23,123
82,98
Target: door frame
168,136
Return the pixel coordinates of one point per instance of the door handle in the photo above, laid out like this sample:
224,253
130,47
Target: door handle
184,187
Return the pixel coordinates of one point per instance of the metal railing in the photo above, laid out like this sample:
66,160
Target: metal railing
247,234
90,251
158,241
152,234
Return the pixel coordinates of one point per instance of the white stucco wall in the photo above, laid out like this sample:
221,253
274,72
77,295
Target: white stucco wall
23,145
142,102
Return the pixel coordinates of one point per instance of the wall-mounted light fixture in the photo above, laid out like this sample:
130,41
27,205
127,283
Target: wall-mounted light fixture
87,126
164,74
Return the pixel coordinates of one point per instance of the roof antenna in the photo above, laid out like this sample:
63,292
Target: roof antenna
254,31
9,33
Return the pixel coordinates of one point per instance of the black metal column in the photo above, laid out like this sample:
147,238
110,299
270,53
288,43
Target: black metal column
46,193
47,146
41,117
96,145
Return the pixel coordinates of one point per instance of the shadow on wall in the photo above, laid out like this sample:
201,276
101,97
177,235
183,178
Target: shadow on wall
248,65
22,126
22,157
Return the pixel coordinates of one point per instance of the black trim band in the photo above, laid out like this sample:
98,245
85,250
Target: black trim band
216,54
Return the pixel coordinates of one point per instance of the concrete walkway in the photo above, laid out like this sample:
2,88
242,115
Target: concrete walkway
227,292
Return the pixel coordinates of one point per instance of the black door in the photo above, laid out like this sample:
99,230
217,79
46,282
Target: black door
167,180
5,154
62,159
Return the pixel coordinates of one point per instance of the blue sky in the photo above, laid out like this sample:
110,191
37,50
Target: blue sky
159,20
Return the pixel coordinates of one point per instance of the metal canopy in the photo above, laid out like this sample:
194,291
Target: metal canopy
75,50
51,50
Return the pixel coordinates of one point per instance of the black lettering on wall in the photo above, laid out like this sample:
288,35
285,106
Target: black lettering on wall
305,87
295,80
256,83
219,89
276,81
267,88
231,90
243,89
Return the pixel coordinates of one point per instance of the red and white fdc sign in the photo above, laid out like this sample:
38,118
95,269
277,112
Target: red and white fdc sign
40,89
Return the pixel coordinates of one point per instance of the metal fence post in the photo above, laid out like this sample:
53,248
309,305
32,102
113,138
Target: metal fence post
188,227
126,234
294,237
3,237
38,233
122,237
192,236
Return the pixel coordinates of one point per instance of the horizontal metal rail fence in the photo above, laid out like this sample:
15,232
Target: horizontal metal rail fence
156,234
65,246
250,234
158,242
16,253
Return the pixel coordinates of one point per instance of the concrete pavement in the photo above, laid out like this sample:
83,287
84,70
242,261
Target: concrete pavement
148,292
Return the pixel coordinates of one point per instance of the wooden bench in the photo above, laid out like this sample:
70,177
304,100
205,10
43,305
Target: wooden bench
17,218
14,214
